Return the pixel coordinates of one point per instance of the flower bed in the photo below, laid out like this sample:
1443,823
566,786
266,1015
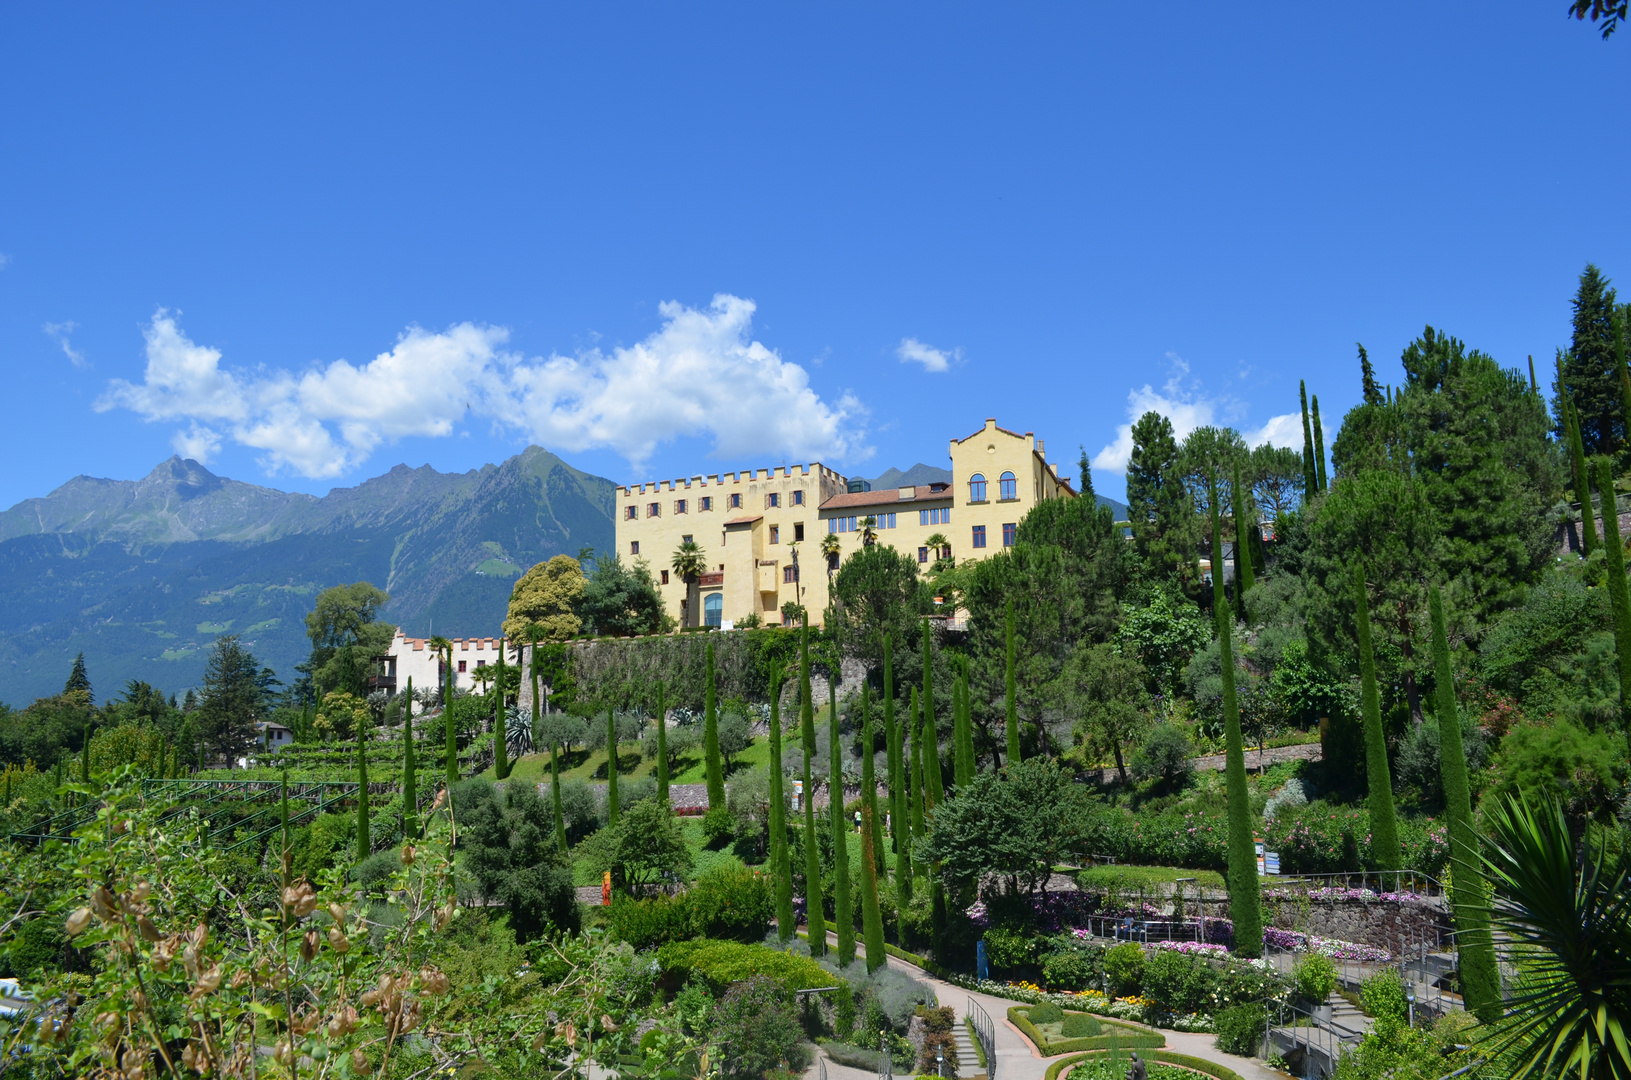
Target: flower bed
1193,948
1334,894
1297,941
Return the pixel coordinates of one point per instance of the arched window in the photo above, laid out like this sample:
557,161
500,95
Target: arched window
713,609
1007,487
976,488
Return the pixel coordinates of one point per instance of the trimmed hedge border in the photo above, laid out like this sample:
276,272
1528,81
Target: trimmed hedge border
1134,1039
1164,1057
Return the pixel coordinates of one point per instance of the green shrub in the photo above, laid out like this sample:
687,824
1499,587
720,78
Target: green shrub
1080,1026
37,944
1006,949
936,1046
1314,977
1178,982
373,872
1240,1029
937,1020
718,827
1124,967
647,924
1382,996
722,963
1164,757
1073,968
1046,1013
756,1028
731,903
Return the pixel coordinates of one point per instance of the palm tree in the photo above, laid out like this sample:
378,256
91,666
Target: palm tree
688,564
830,550
940,546
1566,916
869,531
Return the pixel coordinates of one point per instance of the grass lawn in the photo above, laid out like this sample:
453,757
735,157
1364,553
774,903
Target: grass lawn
704,859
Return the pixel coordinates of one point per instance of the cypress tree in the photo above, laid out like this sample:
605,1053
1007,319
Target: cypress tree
1480,977
611,767
283,813
919,796
1582,487
1384,829
933,781
1372,393
447,722
964,748
532,669
410,780
869,782
1310,483
501,749
555,795
1011,687
365,842
1245,897
1240,504
1534,387
785,923
710,739
85,755
1319,445
815,917
900,817
843,913
1618,599
871,917
662,745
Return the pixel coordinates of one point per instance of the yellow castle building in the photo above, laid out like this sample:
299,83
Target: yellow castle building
761,531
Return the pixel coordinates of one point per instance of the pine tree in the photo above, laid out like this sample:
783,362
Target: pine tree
1245,896
779,866
1589,377
1384,831
501,749
1011,688
1480,977
1310,482
662,745
871,916
934,784
410,779
843,913
1618,599
1368,389
78,679
815,918
611,769
1240,505
365,842
1086,469
710,739
1319,445
1582,485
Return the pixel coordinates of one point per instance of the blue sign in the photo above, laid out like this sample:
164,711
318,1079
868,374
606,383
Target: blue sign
980,970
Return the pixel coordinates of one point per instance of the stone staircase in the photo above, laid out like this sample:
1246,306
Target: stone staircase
968,1058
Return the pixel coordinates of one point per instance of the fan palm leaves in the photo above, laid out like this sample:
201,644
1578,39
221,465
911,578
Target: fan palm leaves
1566,925
688,563
830,550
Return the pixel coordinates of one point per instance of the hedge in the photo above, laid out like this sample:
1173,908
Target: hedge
724,962
1126,1036
1165,1057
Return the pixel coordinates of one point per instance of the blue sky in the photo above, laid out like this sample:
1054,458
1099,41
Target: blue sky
309,242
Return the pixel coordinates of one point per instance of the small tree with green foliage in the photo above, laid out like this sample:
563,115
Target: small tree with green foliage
1384,830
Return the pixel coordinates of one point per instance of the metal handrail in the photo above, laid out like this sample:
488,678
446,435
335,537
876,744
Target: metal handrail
986,1032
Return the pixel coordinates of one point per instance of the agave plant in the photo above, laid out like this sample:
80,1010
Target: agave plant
517,732
1565,923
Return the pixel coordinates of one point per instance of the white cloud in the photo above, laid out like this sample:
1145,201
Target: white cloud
60,331
1181,401
700,374
198,443
912,351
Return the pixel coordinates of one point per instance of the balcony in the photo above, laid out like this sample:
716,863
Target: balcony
713,580
386,683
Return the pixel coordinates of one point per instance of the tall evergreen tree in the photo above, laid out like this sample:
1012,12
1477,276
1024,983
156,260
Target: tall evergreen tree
869,775
933,782
843,912
1319,445
501,732
1245,896
920,795
1384,831
710,738
1534,387
815,918
1085,468
662,746
1625,375
450,750
1589,375
871,915
231,702
1310,480
78,678
964,749
900,817
410,764
535,634
1582,479
365,840
1618,598
1158,503
611,768
1480,977
1240,505
779,867
1010,688
555,796
1368,389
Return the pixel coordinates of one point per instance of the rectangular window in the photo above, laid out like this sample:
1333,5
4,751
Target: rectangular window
686,539
890,524
679,506
798,497
832,525
653,509
634,547
665,577
790,575
461,666
798,532
922,554
774,498
706,503
775,534
481,663
630,512
979,536
735,502
1008,531
923,518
